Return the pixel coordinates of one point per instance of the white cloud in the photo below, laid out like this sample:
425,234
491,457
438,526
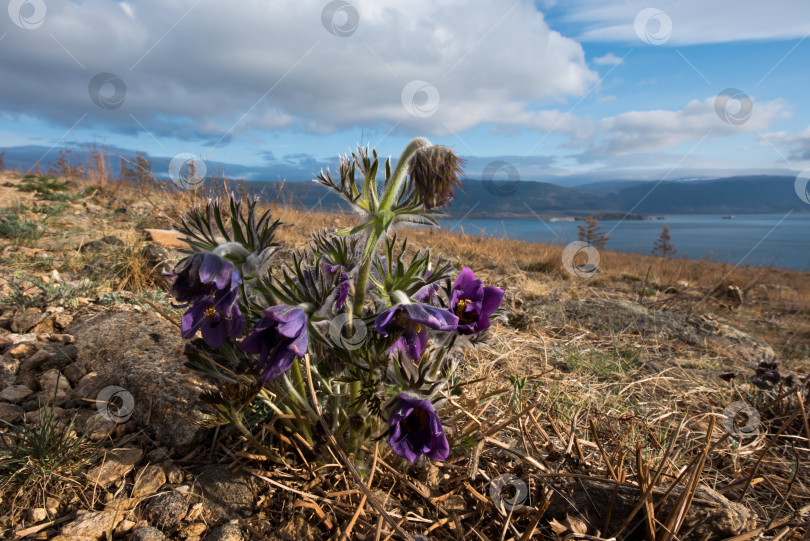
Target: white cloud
797,145
609,59
647,131
693,22
207,69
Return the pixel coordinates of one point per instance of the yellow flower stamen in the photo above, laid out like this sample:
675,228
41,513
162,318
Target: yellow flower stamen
461,305
210,312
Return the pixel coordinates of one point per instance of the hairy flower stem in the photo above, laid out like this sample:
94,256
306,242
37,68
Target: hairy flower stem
394,184
392,188
303,413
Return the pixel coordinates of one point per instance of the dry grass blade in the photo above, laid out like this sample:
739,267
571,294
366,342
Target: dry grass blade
674,521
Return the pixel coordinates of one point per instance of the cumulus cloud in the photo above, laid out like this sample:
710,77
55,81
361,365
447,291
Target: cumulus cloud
797,144
693,22
609,59
647,131
208,70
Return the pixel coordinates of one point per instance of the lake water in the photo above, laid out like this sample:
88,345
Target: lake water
779,240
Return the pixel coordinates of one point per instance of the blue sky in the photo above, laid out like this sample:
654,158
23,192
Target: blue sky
569,91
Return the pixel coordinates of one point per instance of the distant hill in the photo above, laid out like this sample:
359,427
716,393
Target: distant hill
740,195
479,199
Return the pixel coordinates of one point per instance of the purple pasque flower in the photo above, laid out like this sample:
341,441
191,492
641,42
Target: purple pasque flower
414,429
201,275
279,337
473,303
210,284
409,322
216,316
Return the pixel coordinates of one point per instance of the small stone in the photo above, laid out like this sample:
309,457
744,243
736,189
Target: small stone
99,426
5,341
74,372
22,351
226,532
54,386
147,533
194,529
22,323
52,505
45,326
117,464
124,526
35,415
225,493
148,480
87,389
15,394
11,413
93,524
31,365
174,475
37,514
62,320
166,510
158,454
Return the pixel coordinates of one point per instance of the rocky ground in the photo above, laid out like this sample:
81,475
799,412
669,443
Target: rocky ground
101,433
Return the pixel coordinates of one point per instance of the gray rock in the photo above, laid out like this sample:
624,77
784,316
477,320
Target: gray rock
158,454
93,524
225,494
30,367
227,532
148,480
74,372
166,510
11,413
147,533
54,387
15,394
143,353
116,465
56,412
87,389
22,323
98,426
613,316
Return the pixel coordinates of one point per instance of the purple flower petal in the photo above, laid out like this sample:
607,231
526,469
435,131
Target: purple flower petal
279,337
473,303
415,429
